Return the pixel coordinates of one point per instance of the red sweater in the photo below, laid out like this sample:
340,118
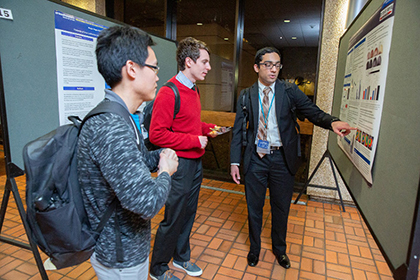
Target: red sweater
182,133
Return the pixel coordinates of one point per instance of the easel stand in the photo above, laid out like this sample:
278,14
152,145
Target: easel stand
337,188
13,171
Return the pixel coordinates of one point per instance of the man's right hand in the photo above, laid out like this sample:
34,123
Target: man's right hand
234,172
203,141
168,162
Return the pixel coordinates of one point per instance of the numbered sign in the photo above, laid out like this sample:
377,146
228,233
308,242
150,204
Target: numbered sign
6,14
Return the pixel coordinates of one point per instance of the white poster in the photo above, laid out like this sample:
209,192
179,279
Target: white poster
364,87
80,85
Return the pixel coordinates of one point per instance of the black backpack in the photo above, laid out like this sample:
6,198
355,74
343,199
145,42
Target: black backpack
147,112
55,210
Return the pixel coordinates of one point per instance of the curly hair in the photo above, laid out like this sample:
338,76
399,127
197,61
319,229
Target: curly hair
189,47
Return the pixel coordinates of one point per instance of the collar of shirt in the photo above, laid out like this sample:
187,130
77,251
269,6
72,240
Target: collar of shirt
184,80
261,87
109,94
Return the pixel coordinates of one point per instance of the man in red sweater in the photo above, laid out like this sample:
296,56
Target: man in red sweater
187,135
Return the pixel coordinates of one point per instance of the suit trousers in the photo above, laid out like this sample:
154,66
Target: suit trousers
270,171
173,235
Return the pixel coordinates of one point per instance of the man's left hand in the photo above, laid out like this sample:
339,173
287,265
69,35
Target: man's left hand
342,128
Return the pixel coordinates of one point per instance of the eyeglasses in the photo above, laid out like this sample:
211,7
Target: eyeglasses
153,67
269,65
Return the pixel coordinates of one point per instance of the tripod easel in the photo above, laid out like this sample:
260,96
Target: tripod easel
337,188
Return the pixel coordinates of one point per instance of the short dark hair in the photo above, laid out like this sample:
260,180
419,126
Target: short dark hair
189,47
261,52
118,44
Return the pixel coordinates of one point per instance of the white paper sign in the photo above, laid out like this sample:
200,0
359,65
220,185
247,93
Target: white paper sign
6,14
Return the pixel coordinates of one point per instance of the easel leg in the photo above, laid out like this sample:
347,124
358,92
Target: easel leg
12,187
310,178
336,184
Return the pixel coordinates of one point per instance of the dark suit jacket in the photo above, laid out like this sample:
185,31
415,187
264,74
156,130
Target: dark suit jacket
285,103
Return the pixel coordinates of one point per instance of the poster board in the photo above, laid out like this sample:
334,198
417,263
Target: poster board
390,204
29,67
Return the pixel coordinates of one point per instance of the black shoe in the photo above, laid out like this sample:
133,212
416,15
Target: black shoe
283,261
252,259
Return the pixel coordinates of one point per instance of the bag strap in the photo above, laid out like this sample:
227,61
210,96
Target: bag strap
111,208
288,89
177,98
245,116
108,106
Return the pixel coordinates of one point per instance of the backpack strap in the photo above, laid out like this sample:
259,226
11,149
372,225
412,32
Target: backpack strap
245,113
177,98
111,208
108,106
289,91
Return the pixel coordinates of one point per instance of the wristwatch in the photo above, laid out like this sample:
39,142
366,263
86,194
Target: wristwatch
334,119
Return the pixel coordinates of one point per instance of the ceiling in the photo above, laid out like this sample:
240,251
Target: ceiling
264,19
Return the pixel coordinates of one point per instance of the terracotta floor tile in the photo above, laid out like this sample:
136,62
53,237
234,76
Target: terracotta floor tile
383,268
362,260
343,259
14,274
339,275
241,264
323,242
306,264
331,257
229,261
233,273
319,267
372,276
311,276
215,253
353,250
259,271
313,256
28,268
314,250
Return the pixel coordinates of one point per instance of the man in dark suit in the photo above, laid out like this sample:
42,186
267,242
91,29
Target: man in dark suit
271,148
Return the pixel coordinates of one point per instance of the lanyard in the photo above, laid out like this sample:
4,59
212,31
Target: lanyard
269,109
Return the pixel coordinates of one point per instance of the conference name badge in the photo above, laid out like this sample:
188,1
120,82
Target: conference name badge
263,147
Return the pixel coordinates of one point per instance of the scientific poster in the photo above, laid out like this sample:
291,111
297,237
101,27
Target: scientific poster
80,85
364,87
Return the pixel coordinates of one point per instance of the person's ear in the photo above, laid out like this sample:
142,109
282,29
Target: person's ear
256,68
188,62
130,68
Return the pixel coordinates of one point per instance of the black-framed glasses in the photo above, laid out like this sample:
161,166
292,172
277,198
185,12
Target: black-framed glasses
153,67
269,65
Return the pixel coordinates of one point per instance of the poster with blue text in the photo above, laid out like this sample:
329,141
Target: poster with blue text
80,85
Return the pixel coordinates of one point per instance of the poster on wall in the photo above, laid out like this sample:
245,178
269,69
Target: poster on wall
364,87
80,85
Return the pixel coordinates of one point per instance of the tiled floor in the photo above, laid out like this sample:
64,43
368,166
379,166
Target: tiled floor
324,242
